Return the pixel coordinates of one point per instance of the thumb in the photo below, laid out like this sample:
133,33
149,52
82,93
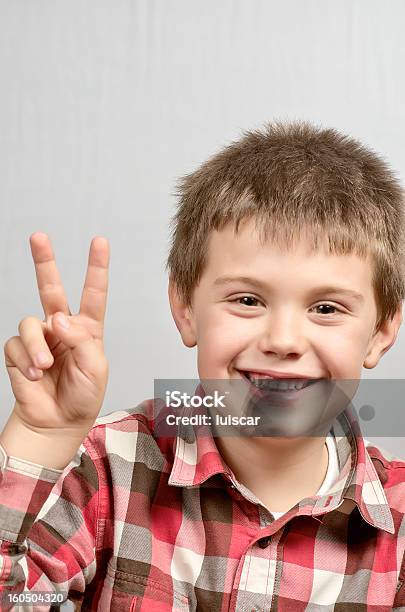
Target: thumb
66,330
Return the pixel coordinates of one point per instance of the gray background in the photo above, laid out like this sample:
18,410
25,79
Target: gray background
104,104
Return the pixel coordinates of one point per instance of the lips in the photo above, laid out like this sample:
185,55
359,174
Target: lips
251,375
266,384
263,391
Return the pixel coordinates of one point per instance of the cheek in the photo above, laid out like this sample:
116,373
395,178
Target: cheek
343,352
220,339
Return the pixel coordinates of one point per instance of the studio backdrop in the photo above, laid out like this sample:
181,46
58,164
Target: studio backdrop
105,104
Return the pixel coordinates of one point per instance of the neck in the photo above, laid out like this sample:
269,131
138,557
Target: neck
279,471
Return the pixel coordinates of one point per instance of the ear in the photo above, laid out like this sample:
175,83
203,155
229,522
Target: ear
383,339
182,315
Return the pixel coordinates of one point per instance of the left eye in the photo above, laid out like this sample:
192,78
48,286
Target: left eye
327,306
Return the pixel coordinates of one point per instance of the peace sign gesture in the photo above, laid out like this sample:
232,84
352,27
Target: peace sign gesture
57,366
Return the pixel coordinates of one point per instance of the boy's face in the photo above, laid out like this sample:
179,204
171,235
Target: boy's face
291,323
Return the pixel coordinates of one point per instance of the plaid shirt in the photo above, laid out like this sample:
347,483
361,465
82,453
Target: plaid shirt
140,523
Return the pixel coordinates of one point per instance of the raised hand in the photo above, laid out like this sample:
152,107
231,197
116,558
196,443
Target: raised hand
59,373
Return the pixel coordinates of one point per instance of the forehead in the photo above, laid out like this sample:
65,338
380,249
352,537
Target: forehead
247,254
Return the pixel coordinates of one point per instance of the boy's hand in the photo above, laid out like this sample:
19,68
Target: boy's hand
66,391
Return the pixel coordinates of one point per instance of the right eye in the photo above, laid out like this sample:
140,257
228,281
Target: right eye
245,297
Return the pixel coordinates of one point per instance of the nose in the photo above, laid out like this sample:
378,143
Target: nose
283,335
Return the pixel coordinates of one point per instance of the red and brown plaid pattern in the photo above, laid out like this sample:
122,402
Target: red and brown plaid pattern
140,523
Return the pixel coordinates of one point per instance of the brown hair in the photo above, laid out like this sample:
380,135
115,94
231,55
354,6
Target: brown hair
290,176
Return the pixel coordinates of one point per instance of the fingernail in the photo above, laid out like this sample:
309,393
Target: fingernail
34,373
62,320
41,358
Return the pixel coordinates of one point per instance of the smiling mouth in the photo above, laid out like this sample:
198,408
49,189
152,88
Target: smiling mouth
277,385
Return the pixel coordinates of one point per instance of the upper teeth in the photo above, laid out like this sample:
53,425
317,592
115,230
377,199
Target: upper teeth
271,383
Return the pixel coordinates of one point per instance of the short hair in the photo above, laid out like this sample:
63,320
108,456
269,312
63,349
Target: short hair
291,176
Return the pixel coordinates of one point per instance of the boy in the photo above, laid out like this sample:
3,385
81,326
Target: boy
299,220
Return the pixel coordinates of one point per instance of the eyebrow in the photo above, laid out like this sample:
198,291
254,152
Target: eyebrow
254,282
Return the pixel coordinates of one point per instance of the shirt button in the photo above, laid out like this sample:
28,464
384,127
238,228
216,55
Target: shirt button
264,542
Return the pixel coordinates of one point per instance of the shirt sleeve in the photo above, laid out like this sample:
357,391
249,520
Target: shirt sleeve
48,528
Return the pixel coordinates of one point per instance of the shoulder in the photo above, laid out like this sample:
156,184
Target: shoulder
138,417
128,435
391,472
385,457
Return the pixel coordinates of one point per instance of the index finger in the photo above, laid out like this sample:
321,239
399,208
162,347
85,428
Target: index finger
51,290
94,297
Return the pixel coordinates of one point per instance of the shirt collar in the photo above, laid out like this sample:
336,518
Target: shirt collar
197,458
